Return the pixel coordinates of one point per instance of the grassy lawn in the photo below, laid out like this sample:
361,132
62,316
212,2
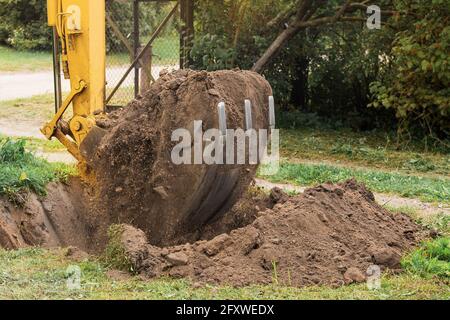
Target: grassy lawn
12,60
166,51
431,189
373,149
41,274
38,108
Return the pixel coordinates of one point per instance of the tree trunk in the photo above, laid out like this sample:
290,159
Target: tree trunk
275,47
299,94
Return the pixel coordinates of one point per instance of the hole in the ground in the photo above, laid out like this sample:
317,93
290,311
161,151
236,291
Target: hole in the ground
70,216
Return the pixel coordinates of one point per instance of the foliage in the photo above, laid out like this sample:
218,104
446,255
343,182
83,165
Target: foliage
417,85
23,24
210,52
336,71
21,171
432,259
325,71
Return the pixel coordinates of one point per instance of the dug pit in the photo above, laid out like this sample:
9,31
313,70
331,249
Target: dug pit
329,235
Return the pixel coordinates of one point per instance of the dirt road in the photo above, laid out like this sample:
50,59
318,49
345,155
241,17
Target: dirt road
25,85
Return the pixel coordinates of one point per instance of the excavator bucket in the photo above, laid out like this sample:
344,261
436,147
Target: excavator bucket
88,147
147,177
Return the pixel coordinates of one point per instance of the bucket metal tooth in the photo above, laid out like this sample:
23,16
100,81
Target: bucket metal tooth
222,118
248,115
271,113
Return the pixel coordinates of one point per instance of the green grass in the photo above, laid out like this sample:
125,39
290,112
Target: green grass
165,50
39,109
373,149
115,255
431,189
439,221
21,171
413,212
41,274
431,260
12,60
35,144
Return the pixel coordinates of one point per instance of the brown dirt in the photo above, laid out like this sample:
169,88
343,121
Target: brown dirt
56,220
329,235
138,183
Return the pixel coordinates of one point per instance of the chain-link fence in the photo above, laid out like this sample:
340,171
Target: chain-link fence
131,24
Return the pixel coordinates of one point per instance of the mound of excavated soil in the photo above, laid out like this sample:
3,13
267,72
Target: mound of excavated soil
137,181
328,235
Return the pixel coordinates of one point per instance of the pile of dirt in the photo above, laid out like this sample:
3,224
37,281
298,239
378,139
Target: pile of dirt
138,182
328,235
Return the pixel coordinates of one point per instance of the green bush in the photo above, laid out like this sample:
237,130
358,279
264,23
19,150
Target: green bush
210,52
417,85
23,24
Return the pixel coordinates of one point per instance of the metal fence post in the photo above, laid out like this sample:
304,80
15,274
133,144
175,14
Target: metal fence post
137,45
187,31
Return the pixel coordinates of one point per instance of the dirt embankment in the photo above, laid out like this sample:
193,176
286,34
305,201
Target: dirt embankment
65,217
329,235
59,219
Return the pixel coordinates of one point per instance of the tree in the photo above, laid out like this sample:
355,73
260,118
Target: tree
310,14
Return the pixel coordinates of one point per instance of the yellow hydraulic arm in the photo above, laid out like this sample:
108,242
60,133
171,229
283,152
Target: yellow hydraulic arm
80,25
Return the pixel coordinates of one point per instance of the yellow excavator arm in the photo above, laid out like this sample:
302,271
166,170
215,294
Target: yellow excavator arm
80,27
